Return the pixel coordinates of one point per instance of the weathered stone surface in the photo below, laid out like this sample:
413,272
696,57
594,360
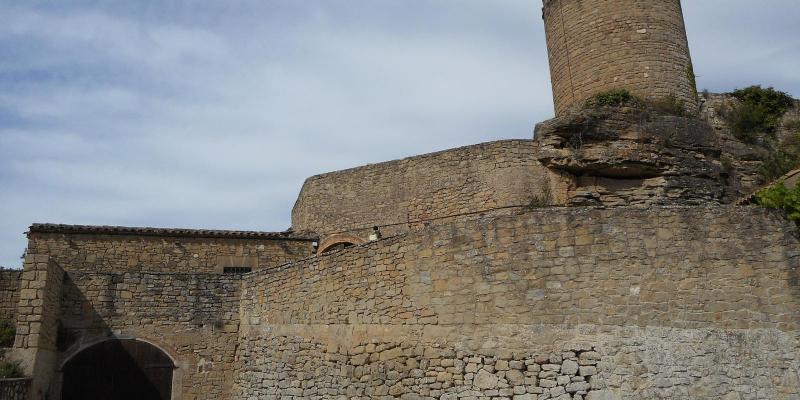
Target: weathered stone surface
598,45
432,189
625,156
569,367
196,316
602,395
485,380
9,293
105,252
515,377
742,161
476,298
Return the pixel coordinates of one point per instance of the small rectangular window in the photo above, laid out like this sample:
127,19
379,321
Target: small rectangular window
236,270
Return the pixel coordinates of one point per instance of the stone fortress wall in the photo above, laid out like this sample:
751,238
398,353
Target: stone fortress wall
485,286
119,249
550,303
9,293
601,45
83,285
403,195
193,317
619,158
569,303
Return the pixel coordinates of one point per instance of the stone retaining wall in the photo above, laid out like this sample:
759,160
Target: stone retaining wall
664,303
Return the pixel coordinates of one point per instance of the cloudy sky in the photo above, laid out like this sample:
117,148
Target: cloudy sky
178,113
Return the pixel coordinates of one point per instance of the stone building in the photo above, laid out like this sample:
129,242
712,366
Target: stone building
603,259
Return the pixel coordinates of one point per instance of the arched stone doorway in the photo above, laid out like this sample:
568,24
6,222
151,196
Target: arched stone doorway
119,369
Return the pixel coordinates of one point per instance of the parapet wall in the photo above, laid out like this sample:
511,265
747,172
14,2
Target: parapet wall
9,293
118,249
601,45
406,194
624,303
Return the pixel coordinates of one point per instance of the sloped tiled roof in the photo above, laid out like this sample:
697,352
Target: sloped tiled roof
171,232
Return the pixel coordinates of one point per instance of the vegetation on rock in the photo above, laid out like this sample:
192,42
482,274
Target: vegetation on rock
7,332
779,197
545,199
784,159
10,370
758,111
793,126
612,98
669,105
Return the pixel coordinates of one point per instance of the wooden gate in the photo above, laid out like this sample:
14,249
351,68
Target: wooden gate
120,370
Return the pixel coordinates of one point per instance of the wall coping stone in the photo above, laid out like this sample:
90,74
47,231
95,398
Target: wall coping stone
15,379
418,157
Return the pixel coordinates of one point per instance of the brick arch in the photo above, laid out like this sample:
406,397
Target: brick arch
336,239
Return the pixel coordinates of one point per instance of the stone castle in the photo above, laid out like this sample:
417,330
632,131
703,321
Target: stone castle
603,259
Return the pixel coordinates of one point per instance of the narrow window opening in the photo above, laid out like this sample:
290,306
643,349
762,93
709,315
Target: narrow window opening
236,270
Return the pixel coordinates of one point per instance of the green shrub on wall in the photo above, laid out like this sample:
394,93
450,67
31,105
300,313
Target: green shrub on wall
784,159
759,111
10,370
793,126
7,332
669,105
779,197
612,98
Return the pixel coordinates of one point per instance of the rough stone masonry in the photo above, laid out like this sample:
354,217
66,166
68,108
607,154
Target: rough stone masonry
600,45
624,303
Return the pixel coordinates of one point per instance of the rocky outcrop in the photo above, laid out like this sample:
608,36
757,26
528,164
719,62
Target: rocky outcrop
742,161
625,156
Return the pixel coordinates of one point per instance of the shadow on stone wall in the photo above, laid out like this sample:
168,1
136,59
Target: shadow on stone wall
82,321
192,318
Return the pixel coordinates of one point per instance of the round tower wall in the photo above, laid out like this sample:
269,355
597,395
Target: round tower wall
596,46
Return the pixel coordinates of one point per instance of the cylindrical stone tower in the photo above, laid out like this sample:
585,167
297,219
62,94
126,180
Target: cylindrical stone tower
601,45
